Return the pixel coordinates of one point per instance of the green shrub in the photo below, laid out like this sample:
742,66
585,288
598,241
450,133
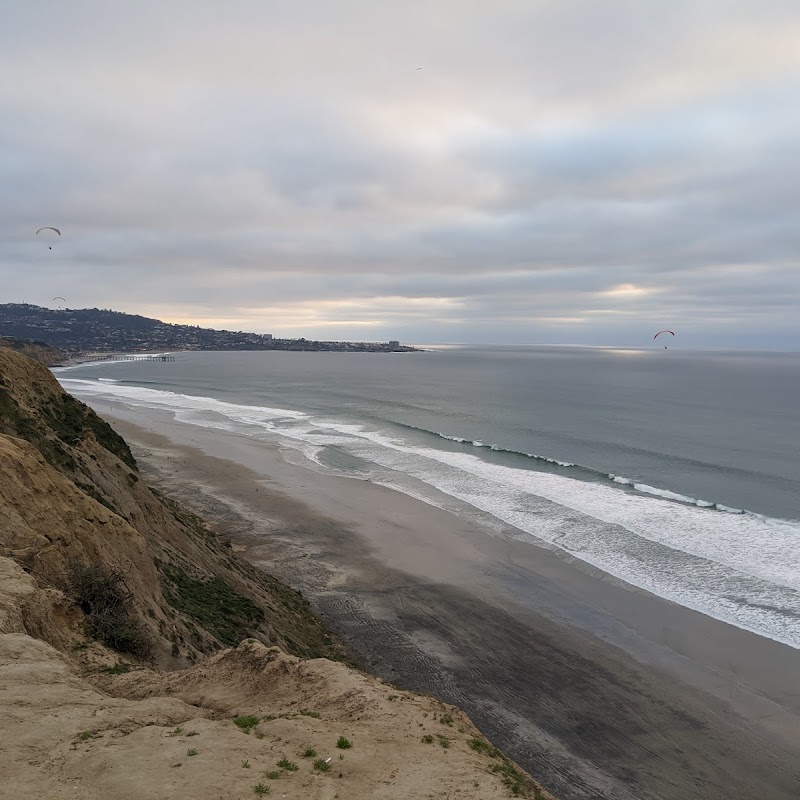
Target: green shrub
343,744
224,613
481,746
513,779
119,668
246,723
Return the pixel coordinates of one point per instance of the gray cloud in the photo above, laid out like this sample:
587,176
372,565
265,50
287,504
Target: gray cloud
558,171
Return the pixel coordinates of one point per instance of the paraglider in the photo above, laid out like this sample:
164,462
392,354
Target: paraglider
48,228
61,299
664,331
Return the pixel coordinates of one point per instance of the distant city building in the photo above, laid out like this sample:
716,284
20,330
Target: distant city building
394,344
267,335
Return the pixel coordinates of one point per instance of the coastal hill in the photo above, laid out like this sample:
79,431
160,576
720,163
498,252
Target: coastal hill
142,658
38,351
94,330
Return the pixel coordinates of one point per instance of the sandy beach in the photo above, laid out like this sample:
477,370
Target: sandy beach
598,689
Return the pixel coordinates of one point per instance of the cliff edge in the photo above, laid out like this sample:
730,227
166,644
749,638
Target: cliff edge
141,658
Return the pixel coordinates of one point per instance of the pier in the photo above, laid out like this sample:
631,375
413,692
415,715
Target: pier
132,358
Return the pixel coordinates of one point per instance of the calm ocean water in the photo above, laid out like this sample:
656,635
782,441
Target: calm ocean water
678,472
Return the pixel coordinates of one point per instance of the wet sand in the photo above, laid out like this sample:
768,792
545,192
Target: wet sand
598,689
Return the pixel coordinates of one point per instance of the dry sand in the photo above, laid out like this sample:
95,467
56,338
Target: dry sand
598,689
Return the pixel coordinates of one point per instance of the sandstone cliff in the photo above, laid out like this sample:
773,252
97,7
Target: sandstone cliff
71,500
38,351
118,610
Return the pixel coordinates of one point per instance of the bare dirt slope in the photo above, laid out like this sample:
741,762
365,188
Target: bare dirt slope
116,607
76,733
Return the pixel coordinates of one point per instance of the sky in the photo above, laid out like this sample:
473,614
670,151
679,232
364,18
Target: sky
479,171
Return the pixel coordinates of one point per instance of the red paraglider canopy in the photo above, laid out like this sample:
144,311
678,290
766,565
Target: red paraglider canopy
664,331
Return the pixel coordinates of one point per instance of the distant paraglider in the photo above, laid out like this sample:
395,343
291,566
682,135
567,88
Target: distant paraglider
61,299
48,228
664,331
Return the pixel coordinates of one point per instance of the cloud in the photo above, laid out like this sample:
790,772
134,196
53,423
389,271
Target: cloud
557,171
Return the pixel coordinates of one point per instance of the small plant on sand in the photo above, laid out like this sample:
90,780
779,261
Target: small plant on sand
306,713
309,752
427,739
343,743
273,774
322,765
246,764
289,766
119,668
246,723
176,732
393,697
444,742
192,751
446,719
261,788
481,746
514,780
86,735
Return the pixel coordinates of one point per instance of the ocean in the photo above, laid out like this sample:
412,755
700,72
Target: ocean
677,472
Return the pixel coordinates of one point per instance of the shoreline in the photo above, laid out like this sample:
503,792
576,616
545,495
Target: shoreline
598,689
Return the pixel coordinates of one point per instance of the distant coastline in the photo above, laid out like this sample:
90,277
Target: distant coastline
94,331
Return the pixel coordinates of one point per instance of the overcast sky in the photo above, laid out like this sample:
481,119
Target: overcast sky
571,171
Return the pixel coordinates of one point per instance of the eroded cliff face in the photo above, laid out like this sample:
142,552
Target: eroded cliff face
38,351
74,512
108,592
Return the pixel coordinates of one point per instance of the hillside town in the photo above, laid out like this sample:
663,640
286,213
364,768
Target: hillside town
93,330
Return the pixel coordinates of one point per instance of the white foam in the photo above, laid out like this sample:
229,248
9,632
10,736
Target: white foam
675,496
729,509
495,447
177,402
665,493
451,438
